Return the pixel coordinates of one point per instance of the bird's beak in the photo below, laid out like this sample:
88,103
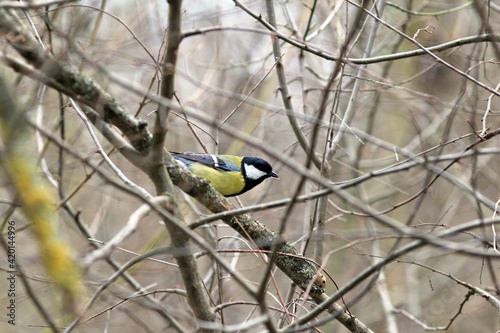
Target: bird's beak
274,174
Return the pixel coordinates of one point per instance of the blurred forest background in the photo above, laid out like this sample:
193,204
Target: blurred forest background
381,119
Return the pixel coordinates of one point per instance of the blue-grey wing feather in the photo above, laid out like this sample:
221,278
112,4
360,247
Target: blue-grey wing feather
209,160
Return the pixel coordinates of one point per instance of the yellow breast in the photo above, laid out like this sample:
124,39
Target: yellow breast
225,182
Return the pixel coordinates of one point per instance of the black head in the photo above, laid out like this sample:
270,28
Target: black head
255,170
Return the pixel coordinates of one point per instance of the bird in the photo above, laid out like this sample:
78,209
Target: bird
230,175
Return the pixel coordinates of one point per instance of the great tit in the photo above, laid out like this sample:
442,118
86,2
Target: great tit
229,175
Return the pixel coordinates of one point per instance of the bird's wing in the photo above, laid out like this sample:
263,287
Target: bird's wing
207,159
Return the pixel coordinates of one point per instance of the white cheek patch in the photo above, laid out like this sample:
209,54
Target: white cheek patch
252,172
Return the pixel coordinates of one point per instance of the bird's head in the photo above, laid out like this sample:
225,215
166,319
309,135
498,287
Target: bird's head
255,170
